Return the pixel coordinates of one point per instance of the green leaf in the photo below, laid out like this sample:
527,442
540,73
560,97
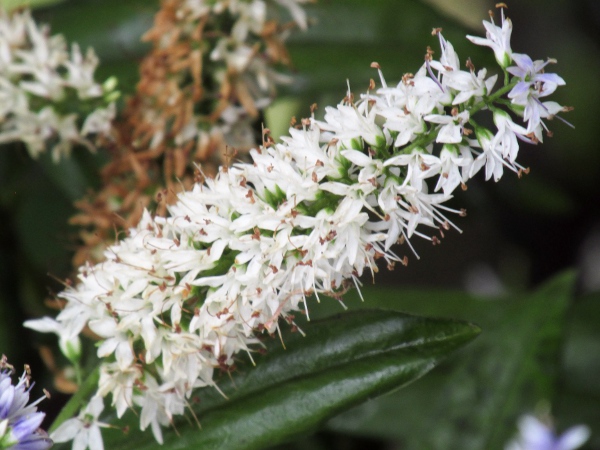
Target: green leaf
341,362
474,403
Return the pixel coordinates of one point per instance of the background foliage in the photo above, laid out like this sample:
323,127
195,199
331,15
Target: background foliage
538,343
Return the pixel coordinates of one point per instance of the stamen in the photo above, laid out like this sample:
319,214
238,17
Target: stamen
431,74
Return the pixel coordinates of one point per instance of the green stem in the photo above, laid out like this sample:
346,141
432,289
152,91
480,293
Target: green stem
76,401
78,374
492,98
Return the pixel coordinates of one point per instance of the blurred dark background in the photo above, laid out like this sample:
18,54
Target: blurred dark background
519,233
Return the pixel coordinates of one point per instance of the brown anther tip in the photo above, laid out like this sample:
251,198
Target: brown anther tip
46,393
313,107
293,121
501,5
463,212
436,31
404,261
469,64
371,84
435,240
463,186
375,65
266,131
567,108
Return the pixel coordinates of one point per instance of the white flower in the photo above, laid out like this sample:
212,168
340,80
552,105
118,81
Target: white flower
490,156
452,159
498,39
81,73
348,123
83,430
405,106
68,342
159,404
507,135
453,125
470,86
99,121
419,165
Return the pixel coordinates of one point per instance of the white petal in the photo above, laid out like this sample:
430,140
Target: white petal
95,438
67,430
358,158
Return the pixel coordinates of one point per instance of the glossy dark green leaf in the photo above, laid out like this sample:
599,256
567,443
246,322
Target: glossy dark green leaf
342,361
474,403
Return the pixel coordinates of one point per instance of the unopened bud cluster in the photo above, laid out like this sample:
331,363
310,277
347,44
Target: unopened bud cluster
178,298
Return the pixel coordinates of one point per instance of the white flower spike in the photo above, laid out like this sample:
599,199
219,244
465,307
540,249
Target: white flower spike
240,253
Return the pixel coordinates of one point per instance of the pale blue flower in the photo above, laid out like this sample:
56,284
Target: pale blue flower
19,422
536,435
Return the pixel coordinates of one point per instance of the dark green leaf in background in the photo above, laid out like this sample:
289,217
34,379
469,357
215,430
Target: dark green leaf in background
474,402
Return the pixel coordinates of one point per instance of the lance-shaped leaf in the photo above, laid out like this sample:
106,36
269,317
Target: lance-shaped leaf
342,361
474,402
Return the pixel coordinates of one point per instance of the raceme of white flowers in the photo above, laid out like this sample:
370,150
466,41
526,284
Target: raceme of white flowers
39,81
181,296
19,422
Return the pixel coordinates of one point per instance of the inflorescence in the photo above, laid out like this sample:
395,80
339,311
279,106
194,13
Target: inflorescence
40,81
239,253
